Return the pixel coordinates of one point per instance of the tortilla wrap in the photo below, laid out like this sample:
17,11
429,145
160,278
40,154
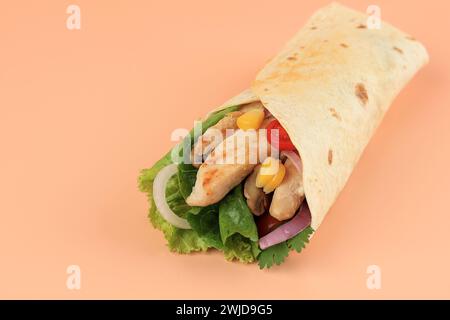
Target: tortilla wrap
330,87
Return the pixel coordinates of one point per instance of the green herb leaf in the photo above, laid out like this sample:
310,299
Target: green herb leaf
273,255
299,242
278,253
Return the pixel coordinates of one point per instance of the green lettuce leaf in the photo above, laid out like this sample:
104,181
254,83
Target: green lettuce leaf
178,240
145,180
240,248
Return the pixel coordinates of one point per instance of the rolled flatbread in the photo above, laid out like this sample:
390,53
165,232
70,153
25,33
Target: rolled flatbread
330,87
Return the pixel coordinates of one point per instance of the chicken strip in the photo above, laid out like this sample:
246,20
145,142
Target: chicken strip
227,166
257,199
212,137
289,195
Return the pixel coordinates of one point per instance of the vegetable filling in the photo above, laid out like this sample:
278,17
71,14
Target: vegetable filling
240,190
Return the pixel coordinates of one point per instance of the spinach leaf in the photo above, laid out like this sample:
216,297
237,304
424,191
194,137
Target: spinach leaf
235,216
187,174
206,224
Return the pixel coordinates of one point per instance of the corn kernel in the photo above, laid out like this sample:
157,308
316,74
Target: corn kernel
262,179
270,175
252,119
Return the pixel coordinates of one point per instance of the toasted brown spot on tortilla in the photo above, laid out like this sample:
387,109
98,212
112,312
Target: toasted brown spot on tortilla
361,93
398,50
330,157
266,89
335,114
361,26
411,38
313,28
291,58
302,47
344,45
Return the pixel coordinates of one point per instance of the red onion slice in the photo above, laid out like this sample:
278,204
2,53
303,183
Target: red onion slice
288,230
295,158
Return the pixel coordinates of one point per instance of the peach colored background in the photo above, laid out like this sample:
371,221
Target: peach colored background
83,111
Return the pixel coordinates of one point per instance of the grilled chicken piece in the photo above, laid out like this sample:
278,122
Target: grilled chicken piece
257,200
289,195
227,165
215,181
214,135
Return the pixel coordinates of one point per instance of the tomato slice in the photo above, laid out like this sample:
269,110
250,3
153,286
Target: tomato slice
266,224
278,137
